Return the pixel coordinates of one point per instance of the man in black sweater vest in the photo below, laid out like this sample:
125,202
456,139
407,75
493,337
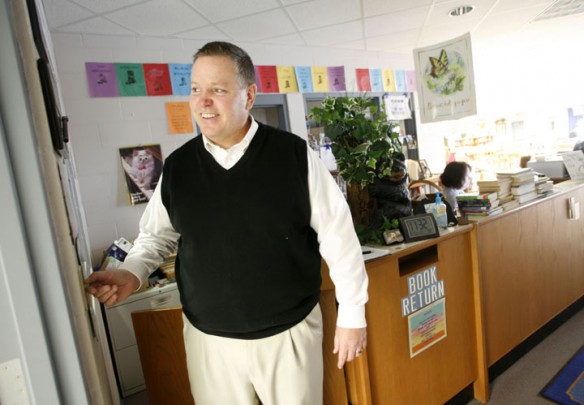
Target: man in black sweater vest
250,210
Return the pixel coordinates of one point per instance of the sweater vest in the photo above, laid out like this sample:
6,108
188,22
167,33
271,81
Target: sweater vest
248,264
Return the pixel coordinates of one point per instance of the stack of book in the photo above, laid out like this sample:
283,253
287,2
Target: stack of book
477,206
522,183
523,186
543,185
501,186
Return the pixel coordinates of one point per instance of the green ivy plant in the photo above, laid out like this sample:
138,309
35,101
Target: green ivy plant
363,141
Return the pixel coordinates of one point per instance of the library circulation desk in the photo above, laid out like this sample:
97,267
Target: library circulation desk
503,279
440,311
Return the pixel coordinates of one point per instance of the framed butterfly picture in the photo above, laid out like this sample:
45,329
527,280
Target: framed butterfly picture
445,80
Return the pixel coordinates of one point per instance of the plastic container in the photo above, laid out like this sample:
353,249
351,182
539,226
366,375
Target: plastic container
326,154
440,212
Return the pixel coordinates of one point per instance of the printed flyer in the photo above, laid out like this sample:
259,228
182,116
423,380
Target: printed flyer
445,80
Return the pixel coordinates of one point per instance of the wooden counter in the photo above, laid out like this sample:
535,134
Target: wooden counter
531,263
385,373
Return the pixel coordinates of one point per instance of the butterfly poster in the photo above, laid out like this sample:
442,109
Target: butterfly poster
445,80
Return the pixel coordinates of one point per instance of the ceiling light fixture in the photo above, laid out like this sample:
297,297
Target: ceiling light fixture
460,11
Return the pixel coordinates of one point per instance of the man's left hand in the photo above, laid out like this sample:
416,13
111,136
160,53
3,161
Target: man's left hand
349,343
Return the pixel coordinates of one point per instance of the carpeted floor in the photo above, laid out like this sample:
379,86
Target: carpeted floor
521,383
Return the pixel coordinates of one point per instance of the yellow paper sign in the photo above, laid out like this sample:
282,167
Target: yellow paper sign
320,79
287,79
388,80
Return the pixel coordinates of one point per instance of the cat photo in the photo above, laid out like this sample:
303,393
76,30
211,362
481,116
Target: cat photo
142,169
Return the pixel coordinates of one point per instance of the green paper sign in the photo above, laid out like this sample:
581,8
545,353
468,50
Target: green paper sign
130,79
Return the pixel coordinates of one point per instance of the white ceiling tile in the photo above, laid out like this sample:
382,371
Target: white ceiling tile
376,7
61,12
395,40
358,45
259,26
159,17
103,6
98,25
395,22
441,33
289,2
209,32
320,13
223,10
292,39
509,5
335,34
505,23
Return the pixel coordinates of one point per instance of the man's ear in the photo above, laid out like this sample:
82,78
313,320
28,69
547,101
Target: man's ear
252,90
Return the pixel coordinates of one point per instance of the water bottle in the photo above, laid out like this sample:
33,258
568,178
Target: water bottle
326,154
440,212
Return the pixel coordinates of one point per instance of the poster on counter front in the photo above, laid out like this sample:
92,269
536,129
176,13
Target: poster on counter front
427,327
445,80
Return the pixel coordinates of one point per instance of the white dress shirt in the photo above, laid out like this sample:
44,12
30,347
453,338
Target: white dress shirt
330,218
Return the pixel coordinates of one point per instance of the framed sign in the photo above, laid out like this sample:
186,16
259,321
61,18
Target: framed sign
419,227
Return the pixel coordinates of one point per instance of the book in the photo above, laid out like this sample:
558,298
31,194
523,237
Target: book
484,215
512,172
478,204
523,198
544,187
477,196
523,188
522,178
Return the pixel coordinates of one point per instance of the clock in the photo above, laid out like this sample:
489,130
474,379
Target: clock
419,227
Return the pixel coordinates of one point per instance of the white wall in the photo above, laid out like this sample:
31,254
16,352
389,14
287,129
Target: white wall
100,126
539,81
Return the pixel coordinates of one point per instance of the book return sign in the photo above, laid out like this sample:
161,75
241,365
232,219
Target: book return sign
424,288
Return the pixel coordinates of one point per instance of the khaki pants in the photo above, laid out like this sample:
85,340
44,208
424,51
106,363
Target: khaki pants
284,369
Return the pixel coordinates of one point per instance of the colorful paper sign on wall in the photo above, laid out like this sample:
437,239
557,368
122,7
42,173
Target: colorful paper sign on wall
130,79
388,80
376,79
320,80
304,79
363,80
410,81
180,77
400,81
287,79
157,79
268,77
336,75
178,115
101,78
257,78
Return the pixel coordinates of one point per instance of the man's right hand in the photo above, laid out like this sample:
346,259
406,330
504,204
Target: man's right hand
112,286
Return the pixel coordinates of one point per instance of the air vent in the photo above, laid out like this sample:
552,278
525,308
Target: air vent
561,8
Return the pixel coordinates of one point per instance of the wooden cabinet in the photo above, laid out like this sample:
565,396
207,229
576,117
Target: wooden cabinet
121,334
386,373
443,370
532,268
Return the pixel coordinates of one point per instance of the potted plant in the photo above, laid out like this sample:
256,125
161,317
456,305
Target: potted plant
369,158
